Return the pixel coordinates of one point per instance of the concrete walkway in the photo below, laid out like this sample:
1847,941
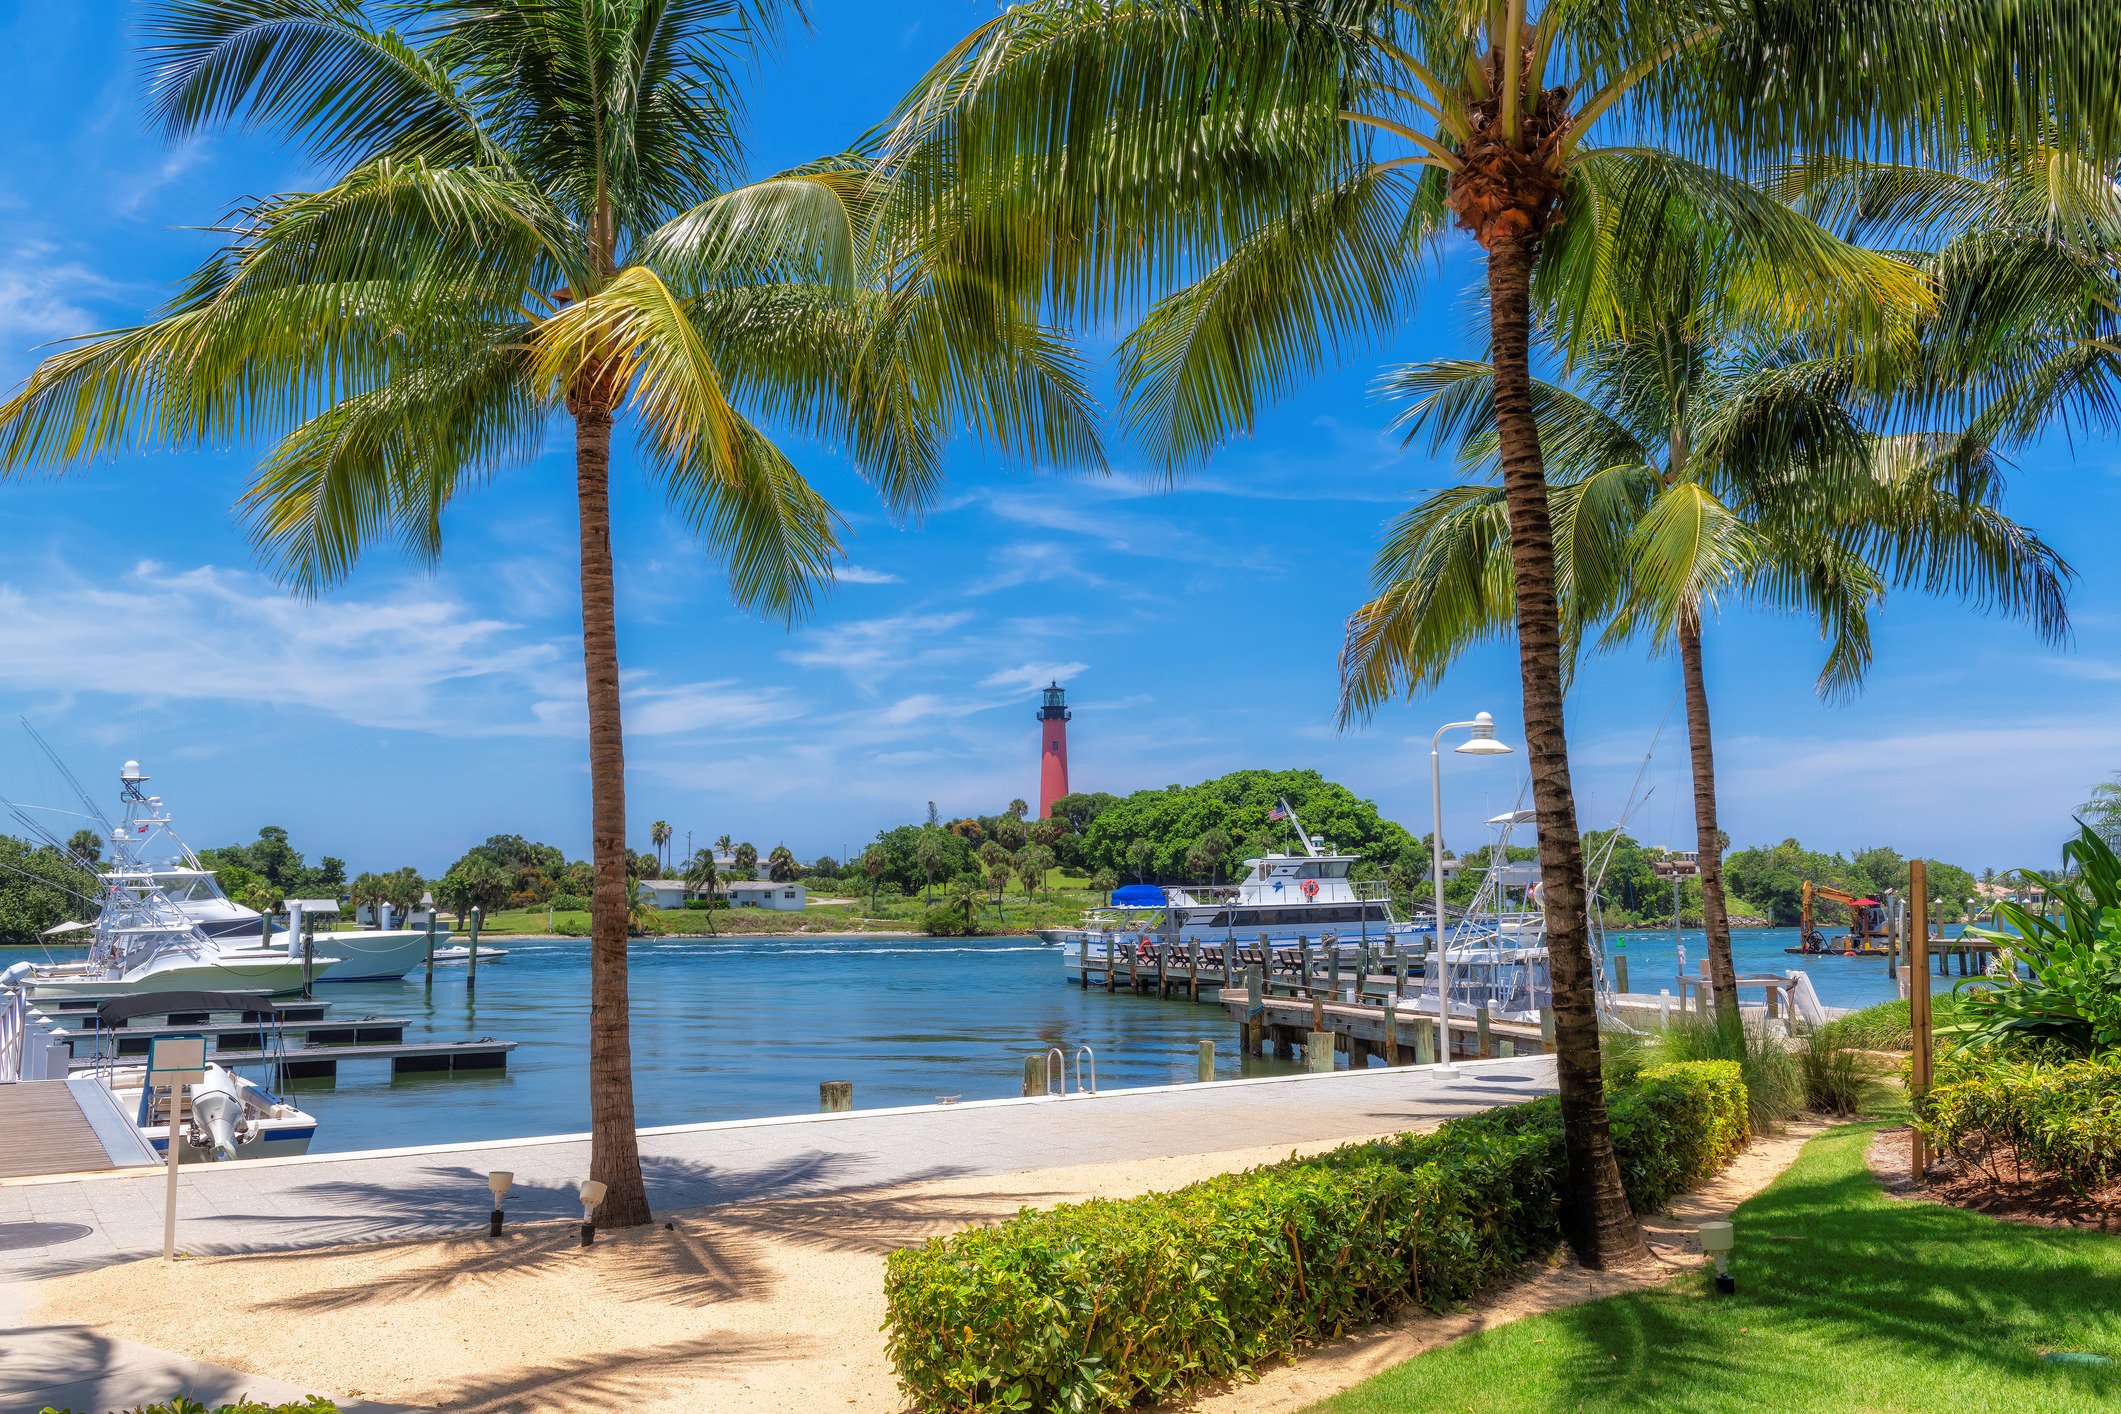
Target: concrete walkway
282,1204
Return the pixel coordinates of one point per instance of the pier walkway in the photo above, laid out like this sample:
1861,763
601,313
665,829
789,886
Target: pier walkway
318,1200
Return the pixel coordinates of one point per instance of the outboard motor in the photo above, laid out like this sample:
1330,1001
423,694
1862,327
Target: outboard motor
217,1105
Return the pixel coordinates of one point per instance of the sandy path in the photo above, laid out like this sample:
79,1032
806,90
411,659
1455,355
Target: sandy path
750,1309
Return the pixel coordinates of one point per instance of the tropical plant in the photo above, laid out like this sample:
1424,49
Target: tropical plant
1032,862
781,865
531,215
1204,857
641,910
928,850
875,860
40,887
1141,857
1018,807
86,845
1688,463
1000,866
403,888
2070,992
700,871
746,858
722,846
1259,156
1104,881
2101,814
659,835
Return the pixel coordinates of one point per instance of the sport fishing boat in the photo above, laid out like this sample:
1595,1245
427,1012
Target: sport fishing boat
149,856
143,939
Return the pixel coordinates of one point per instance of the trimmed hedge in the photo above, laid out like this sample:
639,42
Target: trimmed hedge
1092,1306
2060,1117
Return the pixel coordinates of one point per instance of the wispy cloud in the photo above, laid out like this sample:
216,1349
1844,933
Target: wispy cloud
855,574
1031,676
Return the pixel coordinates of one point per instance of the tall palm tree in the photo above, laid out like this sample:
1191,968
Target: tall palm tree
659,836
533,213
1271,167
1684,469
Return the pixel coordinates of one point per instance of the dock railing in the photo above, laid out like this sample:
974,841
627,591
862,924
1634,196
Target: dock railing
1080,1053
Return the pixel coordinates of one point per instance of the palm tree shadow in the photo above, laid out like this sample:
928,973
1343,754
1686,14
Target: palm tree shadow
616,1379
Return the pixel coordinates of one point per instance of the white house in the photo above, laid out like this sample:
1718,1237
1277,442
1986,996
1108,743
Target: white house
788,897
668,893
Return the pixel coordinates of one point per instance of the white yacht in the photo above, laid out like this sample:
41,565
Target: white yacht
143,938
1283,900
148,855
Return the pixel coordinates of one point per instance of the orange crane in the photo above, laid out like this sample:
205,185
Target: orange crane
1866,921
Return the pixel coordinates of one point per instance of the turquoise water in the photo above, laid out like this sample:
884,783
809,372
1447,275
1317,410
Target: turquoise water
743,1027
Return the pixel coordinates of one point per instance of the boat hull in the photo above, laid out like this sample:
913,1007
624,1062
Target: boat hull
375,956
272,972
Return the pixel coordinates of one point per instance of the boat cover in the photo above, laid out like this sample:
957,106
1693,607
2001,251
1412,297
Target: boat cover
1138,896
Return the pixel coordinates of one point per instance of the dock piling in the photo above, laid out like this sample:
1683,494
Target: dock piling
1546,1029
837,1096
1331,943
1318,1051
1620,971
1254,1031
1034,1075
471,978
1207,1060
1303,960
1480,1025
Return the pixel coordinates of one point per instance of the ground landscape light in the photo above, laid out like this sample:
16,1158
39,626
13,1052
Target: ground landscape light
500,1181
592,1194
1717,1239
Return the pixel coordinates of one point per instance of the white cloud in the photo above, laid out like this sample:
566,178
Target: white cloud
1031,676
855,574
866,648
39,299
416,660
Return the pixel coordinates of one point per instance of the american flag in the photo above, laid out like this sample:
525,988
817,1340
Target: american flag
1277,813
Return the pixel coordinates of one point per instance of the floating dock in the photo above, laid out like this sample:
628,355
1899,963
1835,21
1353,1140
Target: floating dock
309,1062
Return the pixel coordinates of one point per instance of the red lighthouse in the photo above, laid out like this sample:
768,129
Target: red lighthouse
1052,749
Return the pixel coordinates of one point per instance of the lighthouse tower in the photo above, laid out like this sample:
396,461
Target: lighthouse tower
1052,749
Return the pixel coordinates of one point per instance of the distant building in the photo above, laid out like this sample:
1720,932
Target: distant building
1053,718
787,897
669,893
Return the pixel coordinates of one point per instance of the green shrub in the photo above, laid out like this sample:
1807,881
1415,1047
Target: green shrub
703,904
1834,1074
315,1404
2061,1115
1099,1305
2074,993
947,921
568,903
1774,1086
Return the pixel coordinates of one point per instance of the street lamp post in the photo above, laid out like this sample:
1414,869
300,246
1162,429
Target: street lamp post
1482,743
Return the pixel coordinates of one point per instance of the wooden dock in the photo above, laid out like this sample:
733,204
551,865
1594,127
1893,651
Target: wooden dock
1397,1034
1200,971
309,1062
369,1030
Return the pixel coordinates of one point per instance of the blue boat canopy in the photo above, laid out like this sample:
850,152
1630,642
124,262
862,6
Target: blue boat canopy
1138,896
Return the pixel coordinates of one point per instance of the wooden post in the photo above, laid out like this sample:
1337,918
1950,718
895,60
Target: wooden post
1134,969
1318,1013
471,978
1303,960
1921,1071
1229,959
1034,1075
1083,956
1391,1030
1620,972
1505,1048
1163,957
1362,972
431,947
1546,1029
837,1096
1480,1024
1331,944
1207,1060
1111,984
1424,1042
1318,1051
1255,1012
1193,970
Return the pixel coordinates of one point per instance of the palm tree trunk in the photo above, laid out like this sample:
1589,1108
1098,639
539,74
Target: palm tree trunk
1715,920
1595,1216
614,1153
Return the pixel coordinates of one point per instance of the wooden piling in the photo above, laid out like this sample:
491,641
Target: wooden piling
1480,1026
1034,1075
1318,1051
1303,960
1207,1060
1255,1012
1193,970
1331,943
471,978
1546,1029
837,1096
1620,972
1424,1042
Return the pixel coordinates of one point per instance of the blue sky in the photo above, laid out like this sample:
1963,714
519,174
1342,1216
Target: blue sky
408,715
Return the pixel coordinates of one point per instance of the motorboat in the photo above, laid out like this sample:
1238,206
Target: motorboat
150,857
1284,901
223,1117
460,953
143,939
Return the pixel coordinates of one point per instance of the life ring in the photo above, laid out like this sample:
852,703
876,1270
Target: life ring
1310,888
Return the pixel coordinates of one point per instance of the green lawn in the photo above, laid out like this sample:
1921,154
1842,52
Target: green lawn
1847,1301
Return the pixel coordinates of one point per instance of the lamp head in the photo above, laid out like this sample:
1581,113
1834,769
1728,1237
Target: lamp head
592,1193
1717,1237
500,1182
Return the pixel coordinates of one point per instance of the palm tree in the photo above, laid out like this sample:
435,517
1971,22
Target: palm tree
2102,813
1255,163
86,845
928,852
781,865
722,846
659,835
1104,881
875,860
532,214
1032,862
1684,468
747,857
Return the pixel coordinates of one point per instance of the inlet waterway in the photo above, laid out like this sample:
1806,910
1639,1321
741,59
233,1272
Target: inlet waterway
744,1027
